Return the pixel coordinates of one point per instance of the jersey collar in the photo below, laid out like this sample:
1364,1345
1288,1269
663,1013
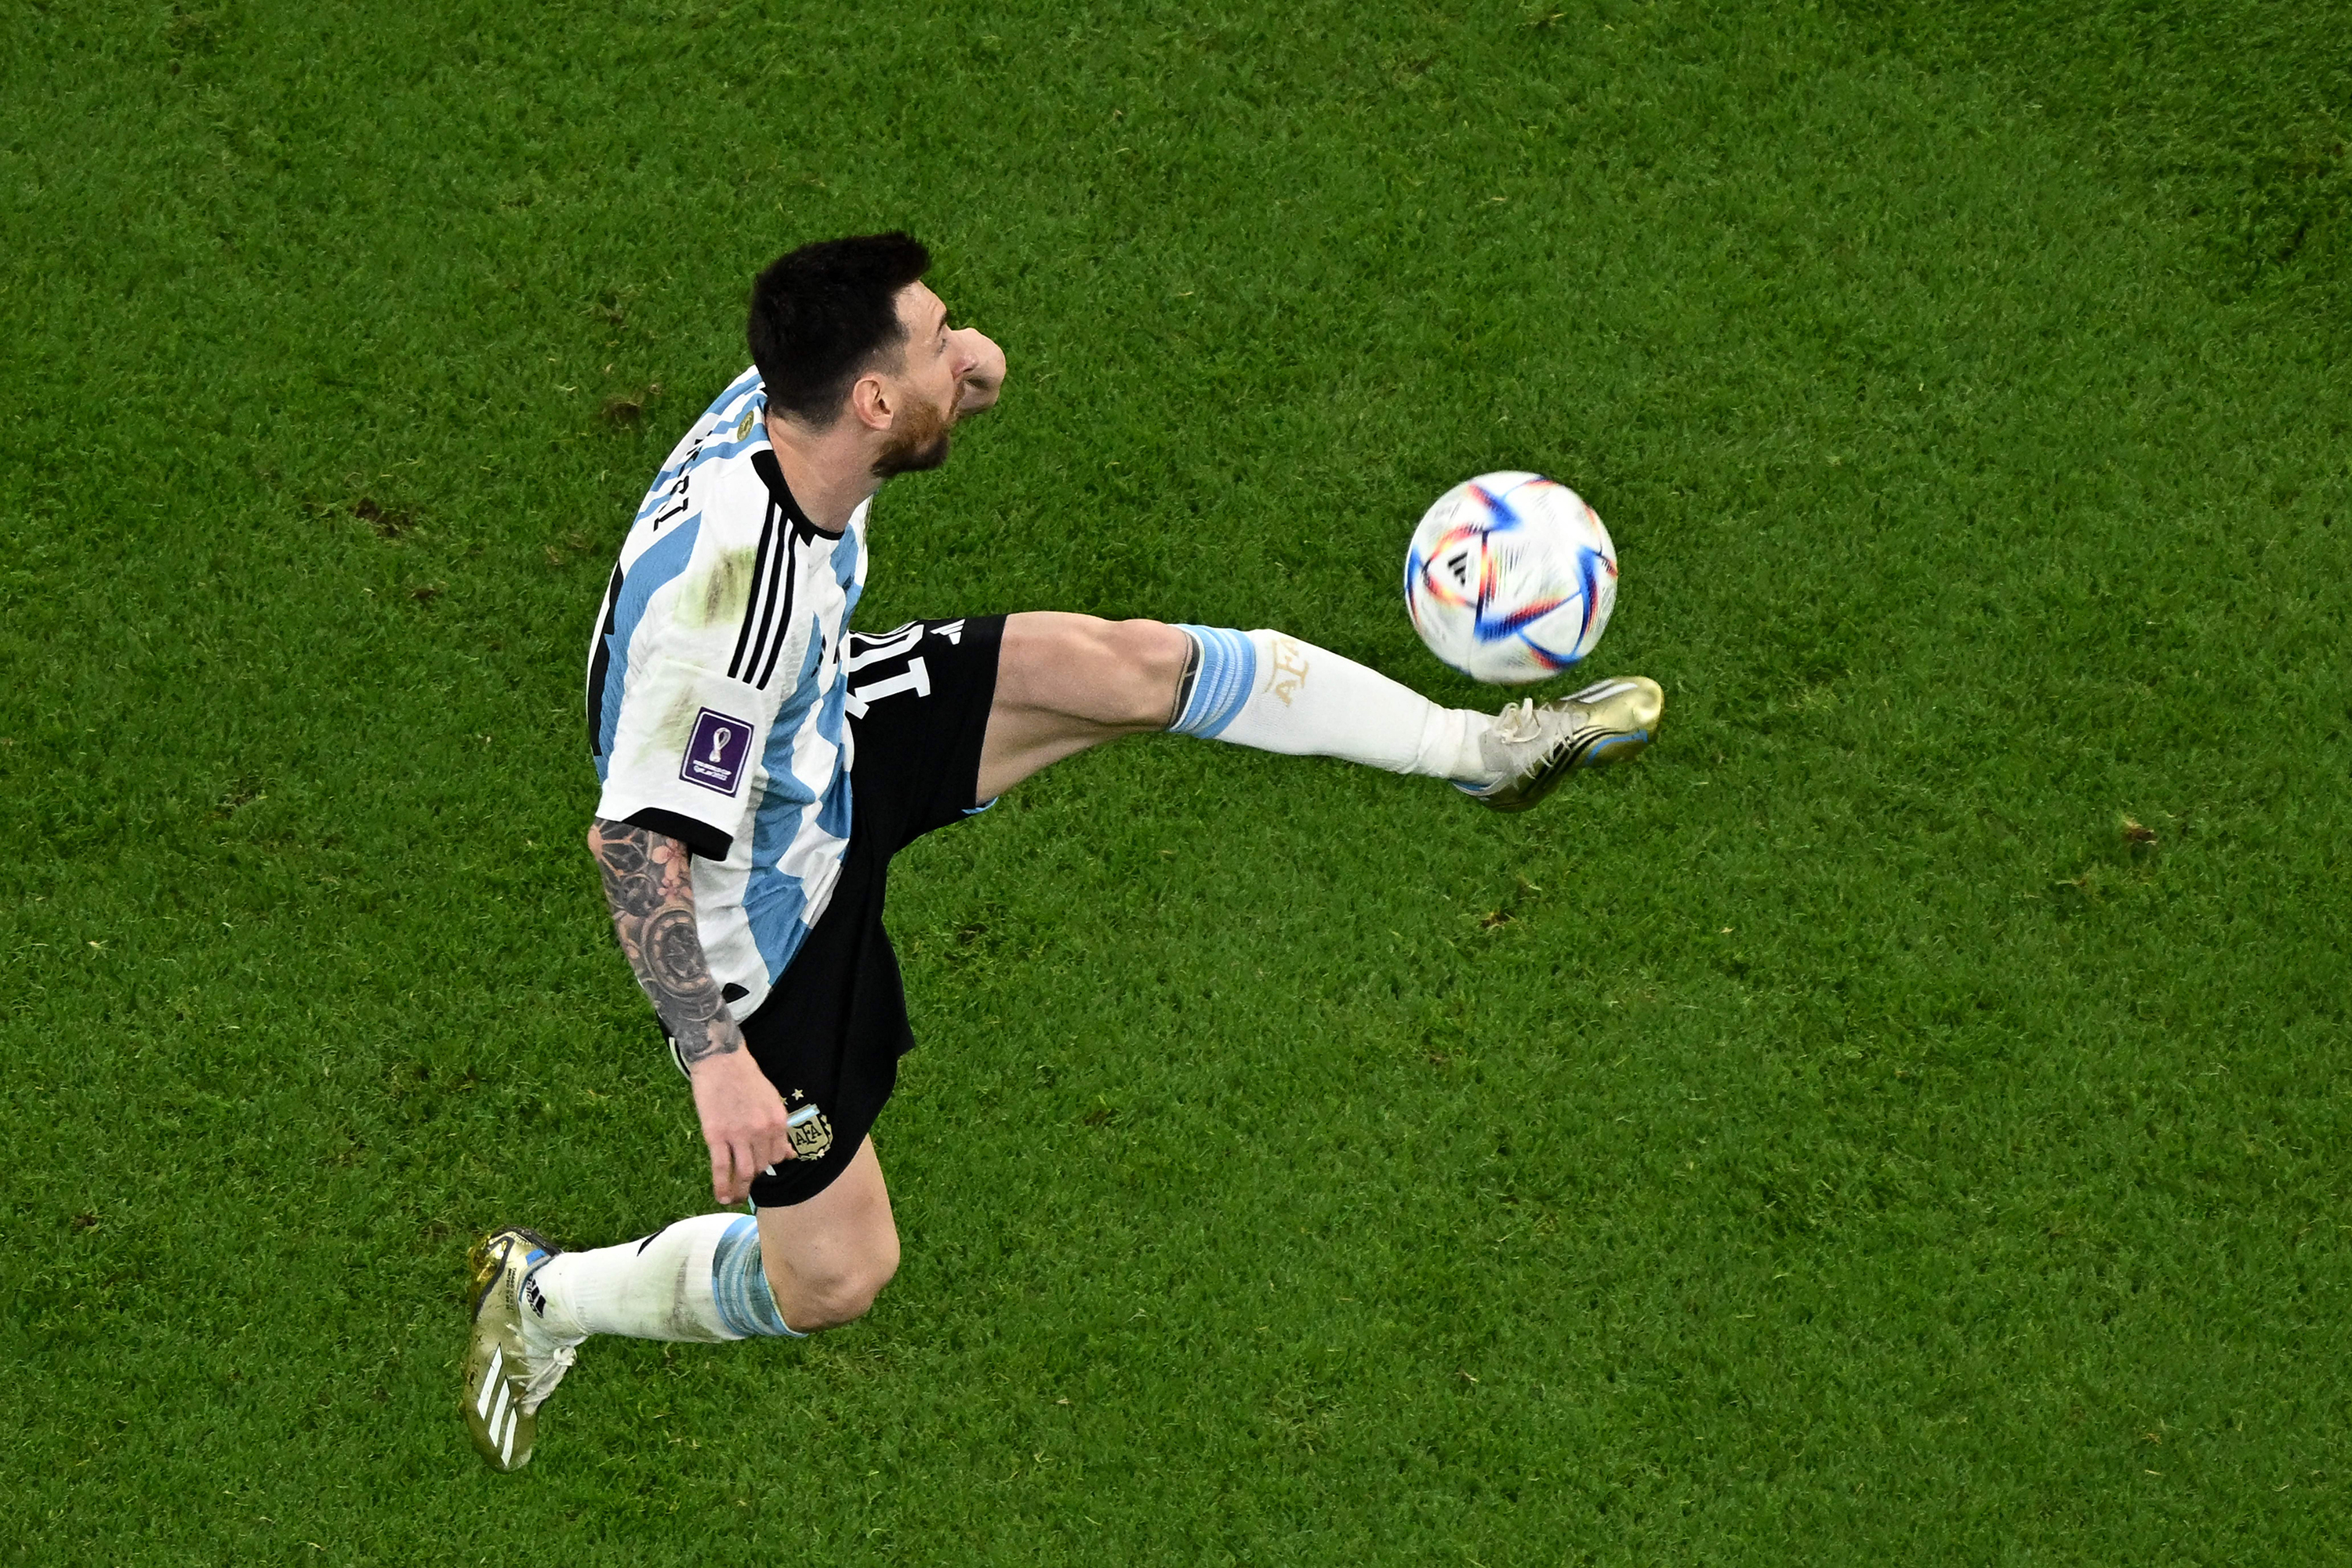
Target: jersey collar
771,474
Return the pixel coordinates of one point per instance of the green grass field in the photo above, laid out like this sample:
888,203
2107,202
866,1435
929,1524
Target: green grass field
1837,1139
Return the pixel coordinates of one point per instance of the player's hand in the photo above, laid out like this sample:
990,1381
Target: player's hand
979,370
742,1120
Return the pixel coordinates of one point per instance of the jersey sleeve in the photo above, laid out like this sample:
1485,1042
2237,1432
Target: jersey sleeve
689,733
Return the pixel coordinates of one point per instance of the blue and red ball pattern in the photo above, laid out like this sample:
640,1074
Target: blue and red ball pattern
1510,578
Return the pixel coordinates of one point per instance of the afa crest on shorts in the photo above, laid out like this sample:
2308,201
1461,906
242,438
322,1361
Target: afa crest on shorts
812,1132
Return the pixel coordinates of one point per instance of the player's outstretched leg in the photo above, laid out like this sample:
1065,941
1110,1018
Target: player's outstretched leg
1067,682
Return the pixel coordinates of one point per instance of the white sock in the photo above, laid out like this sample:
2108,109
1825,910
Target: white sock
656,1288
1274,692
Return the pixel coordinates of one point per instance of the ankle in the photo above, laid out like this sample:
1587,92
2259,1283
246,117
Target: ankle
547,1322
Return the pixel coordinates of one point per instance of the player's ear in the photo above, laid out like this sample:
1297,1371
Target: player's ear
870,400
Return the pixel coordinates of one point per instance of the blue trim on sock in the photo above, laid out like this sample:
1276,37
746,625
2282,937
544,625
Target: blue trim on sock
1227,675
739,1285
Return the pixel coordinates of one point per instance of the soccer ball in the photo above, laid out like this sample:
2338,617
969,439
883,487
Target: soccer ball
1510,578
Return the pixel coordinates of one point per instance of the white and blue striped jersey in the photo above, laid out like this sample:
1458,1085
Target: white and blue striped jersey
716,687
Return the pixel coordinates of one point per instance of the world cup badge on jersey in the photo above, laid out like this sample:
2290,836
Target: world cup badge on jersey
716,753
812,1132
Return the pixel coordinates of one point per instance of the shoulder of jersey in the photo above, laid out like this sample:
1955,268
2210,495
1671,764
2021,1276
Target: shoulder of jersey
733,431
725,489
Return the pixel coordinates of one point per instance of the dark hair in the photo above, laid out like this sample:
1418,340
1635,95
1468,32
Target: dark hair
821,315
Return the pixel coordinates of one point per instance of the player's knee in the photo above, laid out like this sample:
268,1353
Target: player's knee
847,1297
837,1293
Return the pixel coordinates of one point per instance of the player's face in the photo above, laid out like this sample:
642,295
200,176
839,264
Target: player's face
923,392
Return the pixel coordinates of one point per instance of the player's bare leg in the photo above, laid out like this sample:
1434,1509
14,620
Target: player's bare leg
1065,683
829,1257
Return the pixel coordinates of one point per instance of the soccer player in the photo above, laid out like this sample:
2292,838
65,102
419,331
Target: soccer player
761,764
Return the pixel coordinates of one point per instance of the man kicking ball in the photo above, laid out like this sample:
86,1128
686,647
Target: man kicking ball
761,764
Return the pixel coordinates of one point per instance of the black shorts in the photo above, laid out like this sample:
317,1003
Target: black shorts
830,1033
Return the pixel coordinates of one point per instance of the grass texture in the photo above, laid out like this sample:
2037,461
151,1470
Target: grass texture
1902,1120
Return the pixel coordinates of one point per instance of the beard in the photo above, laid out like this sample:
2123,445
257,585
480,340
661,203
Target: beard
919,441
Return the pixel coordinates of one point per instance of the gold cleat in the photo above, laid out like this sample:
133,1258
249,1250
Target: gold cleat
1536,745
512,1366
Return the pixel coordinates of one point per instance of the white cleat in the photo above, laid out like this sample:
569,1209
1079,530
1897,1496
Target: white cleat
1533,746
513,1364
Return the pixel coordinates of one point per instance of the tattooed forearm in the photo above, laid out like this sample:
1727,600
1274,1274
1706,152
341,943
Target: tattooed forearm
649,883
